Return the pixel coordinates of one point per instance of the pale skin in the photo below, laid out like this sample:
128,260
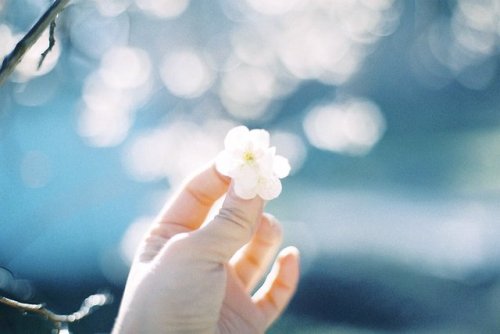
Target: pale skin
196,276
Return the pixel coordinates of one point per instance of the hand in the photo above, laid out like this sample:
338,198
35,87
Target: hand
191,277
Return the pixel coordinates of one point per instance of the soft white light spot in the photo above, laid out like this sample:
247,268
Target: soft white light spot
105,116
8,40
253,46
186,74
378,4
125,67
219,53
351,127
316,50
246,91
478,15
104,127
172,151
482,42
111,95
275,7
163,8
97,95
291,146
248,84
93,33
112,7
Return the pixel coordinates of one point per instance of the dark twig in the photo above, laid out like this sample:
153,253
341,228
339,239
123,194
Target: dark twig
11,60
89,305
52,42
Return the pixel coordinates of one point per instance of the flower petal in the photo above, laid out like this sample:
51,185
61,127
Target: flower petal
269,188
281,166
245,175
237,138
252,164
244,192
259,139
266,164
225,163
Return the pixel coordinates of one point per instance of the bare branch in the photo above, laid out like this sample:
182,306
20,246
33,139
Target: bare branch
11,60
90,304
52,42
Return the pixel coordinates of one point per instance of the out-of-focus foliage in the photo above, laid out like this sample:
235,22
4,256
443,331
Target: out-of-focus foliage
388,110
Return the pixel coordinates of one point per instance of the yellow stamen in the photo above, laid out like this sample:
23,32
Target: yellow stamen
248,157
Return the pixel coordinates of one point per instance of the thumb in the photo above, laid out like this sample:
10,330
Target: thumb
231,228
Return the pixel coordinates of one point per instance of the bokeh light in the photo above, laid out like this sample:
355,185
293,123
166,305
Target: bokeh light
273,7
163,8
112,7
246,91
125,67
352,127
112,94
291,146
460,48
93,33
174,150
8,40
186,74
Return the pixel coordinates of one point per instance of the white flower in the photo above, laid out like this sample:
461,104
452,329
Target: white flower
252,164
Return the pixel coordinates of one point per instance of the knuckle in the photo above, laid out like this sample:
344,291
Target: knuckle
236,219
179,241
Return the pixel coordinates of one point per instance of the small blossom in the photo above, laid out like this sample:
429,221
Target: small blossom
252,164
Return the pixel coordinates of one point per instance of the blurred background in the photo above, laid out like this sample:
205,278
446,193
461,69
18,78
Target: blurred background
388,110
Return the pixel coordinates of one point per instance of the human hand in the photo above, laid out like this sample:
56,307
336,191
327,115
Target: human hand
195,277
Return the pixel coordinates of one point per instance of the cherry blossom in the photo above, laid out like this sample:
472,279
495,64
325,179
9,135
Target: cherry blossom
253,165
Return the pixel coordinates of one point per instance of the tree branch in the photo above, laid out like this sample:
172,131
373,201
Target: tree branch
52,42
90,304
11,60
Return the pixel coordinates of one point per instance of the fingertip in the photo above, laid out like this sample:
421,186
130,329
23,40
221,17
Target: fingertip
270,228
289,261
290,251
280,285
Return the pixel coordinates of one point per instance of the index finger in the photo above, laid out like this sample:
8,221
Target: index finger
189,208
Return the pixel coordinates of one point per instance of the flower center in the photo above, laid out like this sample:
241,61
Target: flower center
249,157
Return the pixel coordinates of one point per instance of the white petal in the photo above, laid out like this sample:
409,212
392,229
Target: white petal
237,138
259,139
244,192
225,163
266,164
269,188
281,166
247,176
